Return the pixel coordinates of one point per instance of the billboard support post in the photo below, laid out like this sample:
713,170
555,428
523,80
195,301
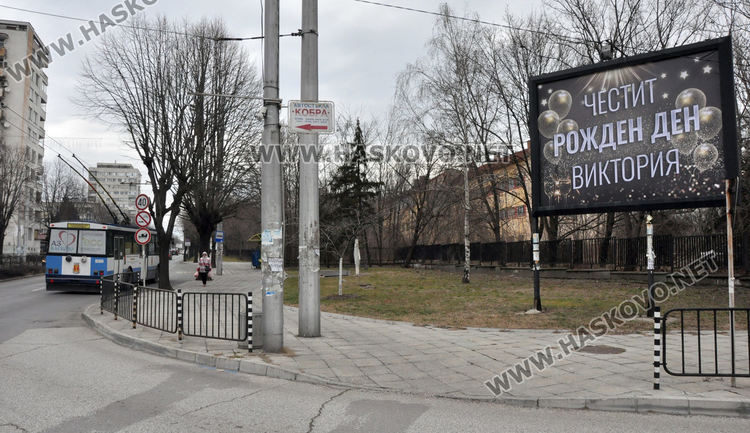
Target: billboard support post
650,259
535,254
729,185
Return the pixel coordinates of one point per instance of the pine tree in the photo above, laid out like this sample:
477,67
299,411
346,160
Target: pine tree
352,193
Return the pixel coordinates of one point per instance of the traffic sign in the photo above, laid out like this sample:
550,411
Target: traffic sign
219,236
141,202
312,117
143,219
142,236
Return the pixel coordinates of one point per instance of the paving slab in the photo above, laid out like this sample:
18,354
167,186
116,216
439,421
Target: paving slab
398,356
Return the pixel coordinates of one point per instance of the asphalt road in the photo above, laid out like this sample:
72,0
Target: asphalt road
56,375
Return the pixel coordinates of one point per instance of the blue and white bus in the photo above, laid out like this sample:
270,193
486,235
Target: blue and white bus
81,252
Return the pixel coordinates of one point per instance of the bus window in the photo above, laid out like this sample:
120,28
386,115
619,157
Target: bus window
63,241
130,246
118,246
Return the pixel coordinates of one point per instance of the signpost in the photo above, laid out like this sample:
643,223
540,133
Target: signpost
143,235
654,131
315,117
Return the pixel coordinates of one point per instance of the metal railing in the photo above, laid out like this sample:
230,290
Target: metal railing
629,254
222,316
157,309
710,342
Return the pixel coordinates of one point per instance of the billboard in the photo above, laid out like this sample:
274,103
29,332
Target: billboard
655,131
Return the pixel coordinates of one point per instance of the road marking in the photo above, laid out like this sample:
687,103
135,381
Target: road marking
36,290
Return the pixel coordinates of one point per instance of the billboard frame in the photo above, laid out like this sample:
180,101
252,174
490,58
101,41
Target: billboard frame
729,124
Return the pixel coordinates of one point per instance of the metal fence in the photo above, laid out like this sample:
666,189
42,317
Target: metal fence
157,309
625,254
223,316
710,342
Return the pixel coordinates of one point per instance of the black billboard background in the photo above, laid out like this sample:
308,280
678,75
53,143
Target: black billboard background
699,74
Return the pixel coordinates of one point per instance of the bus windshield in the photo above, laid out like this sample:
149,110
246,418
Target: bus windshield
84,242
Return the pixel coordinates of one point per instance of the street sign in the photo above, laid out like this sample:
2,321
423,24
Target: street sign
142,236
143,219
219,236
141,202
312,117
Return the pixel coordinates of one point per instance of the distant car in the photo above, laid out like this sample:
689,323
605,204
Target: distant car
169,255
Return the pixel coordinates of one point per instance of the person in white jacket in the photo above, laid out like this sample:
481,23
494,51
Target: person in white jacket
204,267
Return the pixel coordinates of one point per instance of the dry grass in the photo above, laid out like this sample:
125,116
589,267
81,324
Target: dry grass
493,300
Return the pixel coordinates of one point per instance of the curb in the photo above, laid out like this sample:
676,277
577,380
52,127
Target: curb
645,404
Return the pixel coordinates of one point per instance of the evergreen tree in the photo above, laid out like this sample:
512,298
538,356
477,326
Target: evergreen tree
351,195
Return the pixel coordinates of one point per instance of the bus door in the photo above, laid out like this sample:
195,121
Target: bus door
119,253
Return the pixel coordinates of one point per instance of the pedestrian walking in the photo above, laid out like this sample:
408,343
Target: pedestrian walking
204,267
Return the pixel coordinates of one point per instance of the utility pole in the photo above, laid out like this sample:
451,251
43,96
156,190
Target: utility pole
272,243
309,217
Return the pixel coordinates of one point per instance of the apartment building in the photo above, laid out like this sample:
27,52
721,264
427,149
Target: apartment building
122,181
23,111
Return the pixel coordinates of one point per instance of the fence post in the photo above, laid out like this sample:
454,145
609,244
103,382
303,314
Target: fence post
135,305
250,321
179,314
101,297
117,296
657,345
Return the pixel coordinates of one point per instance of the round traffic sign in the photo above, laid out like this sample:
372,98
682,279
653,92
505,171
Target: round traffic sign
141,202
143,219
142,236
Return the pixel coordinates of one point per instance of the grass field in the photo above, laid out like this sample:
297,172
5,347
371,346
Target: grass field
491,300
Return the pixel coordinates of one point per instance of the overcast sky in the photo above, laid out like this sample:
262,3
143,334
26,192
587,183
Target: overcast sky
362,49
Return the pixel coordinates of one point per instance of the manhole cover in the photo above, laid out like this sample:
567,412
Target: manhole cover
602,350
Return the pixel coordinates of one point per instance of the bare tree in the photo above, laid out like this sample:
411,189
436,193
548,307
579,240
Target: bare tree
225,127
139,79
15,173
59,182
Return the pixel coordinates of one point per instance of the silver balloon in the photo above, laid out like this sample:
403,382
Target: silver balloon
549,153
704,156
549,188
560,102
564,186
685,143
710,121
566,126
690,97
548,122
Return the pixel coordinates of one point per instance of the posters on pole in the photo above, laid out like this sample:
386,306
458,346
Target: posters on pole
654,131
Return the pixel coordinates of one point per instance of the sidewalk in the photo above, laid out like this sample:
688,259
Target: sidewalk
399,356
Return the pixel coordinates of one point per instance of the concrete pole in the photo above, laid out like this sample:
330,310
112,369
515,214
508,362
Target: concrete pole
272,245
309,226
220,251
